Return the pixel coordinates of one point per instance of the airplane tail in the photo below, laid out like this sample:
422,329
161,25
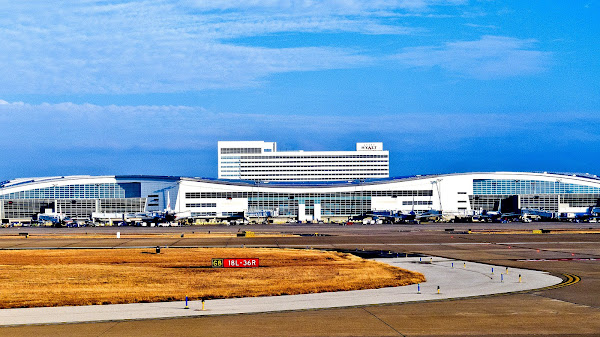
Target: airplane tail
168,202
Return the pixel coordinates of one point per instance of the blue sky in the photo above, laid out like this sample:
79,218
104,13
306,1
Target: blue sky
149,87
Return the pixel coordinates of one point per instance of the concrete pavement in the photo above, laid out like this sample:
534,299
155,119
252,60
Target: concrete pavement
455,279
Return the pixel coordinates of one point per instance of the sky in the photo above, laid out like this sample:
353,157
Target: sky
150,86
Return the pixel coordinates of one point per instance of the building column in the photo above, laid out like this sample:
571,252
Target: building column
301,211
317,216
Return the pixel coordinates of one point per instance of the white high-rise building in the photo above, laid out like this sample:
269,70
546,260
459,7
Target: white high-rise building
260,161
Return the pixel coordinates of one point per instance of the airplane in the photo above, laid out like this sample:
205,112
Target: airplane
54,218
592,213
513,216
498,215
430,215
537,213
169,215
393,216
410,216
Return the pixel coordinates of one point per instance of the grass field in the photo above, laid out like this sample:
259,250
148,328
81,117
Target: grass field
35,278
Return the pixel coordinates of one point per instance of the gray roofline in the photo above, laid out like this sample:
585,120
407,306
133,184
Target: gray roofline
307,184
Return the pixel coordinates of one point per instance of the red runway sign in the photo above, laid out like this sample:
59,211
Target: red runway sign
235,263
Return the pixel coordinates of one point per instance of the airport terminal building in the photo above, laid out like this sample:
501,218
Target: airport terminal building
453,195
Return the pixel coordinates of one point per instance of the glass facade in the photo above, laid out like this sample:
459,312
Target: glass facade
344,206
341,205
74,208
74,200
417,203
25,208
332,204
231,195
285,204
514,187
204,214
533,194
80,191
205,204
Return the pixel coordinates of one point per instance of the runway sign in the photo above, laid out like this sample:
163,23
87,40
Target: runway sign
235,263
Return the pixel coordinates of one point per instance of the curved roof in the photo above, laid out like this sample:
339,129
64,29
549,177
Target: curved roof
303,184
366,182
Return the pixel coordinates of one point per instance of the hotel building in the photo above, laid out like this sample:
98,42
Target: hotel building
260,161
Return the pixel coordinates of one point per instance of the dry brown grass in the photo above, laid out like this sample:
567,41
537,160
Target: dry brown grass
34,278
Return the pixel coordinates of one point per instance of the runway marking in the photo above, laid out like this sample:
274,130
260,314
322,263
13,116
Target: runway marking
451,243
563,259
569,280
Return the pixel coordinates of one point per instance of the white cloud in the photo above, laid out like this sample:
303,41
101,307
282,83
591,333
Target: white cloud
473,25
142,46
323,7
488,58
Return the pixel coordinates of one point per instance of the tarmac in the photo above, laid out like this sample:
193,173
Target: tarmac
446,279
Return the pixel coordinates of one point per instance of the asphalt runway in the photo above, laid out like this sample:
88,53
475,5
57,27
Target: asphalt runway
572,310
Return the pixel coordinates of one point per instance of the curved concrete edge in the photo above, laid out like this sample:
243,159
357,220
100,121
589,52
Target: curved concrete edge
455,279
